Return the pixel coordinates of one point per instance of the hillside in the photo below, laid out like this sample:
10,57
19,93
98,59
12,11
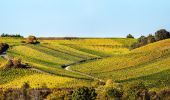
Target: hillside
149,63
49,56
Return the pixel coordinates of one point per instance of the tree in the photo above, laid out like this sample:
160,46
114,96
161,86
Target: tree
11,94
142,40
136,91
162,34
151,38
3,47
25,91
11,35
114,93
59,95
13,63
16,63
84,93
129,36
32,40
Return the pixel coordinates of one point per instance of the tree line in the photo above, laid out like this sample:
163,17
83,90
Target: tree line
132,91
144,40
11,35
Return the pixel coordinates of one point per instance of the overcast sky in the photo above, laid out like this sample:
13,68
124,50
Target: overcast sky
85,18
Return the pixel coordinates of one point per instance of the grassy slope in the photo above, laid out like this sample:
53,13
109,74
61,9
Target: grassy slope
145,62
51,54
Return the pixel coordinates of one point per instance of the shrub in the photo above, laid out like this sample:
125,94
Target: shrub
135,45
153,95
11,94
16,63
98,83
3,47
23,41
25,91
151,38
142,40
114,93
109,82
32,40
129,36
135,91
13,63
164,94
84,93
58,95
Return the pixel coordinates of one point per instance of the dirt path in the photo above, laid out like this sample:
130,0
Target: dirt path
68,68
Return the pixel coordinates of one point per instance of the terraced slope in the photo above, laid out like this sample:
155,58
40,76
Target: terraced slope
12,74
144,62
38,80
50,55
100,47
33,55
15,78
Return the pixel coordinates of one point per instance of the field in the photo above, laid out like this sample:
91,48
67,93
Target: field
89,60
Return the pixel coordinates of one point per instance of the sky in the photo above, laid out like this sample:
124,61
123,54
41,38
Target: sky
84,18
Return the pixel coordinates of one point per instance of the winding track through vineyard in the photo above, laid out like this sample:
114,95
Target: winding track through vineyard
67,67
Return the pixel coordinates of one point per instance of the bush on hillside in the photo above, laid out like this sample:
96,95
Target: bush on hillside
142,40
17,63
3,47
32,40
136,91
151,39
59,95
109,83
164,94
11,94
25,91
13,63
129,36
84,93
154,96
114,93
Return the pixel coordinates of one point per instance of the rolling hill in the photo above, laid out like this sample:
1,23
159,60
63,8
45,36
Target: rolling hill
149,63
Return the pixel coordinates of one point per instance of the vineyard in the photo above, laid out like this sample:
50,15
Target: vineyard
2,61
117,61
146,63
